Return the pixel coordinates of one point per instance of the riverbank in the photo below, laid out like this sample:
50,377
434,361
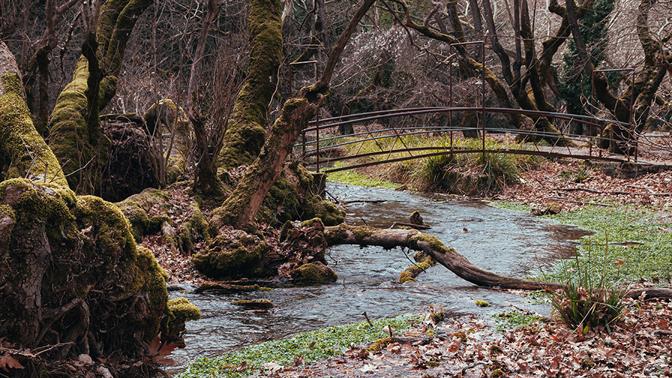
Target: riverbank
533,181
626,244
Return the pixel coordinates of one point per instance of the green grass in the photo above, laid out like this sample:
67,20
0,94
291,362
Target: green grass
514,319
472,173
647,256
311,346
352,177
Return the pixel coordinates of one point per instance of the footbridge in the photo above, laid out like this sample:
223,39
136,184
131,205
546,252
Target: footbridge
380,137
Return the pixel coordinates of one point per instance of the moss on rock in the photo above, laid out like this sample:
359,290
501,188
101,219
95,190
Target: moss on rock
180,311
141,210
314,274
233,254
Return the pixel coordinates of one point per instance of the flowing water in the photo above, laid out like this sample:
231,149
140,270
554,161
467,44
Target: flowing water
503,241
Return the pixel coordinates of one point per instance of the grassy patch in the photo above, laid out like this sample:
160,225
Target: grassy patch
628,245
468,173
354,177
514,319
311,346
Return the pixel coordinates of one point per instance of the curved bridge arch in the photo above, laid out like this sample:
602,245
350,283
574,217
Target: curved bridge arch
322,145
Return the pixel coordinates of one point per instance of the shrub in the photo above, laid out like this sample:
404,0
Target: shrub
589,300
473,173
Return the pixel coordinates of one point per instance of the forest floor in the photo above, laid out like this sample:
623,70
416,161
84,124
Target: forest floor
637,346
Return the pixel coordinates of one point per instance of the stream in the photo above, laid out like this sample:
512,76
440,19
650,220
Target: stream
499,240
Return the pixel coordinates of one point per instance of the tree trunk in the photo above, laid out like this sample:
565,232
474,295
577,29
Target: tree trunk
242,205
246,128
74,129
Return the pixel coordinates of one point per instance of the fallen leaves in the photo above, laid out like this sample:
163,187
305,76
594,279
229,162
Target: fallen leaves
7,363
638,346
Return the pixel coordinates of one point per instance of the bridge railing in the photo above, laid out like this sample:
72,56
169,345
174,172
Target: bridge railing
322,144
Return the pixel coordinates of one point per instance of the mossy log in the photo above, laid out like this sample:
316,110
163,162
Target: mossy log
423,262
246,129
418,241
451,259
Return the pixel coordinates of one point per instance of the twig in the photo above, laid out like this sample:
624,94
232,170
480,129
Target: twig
367,318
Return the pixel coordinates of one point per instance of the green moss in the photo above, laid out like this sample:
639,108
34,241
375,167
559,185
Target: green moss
73,143
314,273
482,303
409,274
140,210
379,344
182,309
232,254
179,312
91,256
194,230
23,152
311,346
246,130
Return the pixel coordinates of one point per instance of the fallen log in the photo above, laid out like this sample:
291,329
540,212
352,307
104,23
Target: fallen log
451,259
418,241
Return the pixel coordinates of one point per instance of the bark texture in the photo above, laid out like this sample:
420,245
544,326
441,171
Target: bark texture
246,129
71,274
74,131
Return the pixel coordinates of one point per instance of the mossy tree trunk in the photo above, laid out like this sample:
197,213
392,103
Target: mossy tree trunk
246,128
24,152
74,132
71,274
243,204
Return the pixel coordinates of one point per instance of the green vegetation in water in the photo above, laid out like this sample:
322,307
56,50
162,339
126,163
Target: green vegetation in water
482,303
515,319
311,346
353,177
628,245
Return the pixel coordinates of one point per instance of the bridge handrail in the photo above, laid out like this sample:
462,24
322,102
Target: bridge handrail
588,120
476,150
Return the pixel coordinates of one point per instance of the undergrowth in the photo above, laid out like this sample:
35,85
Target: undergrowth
639,243
309,346
353,177
470,173
515,319
590,300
